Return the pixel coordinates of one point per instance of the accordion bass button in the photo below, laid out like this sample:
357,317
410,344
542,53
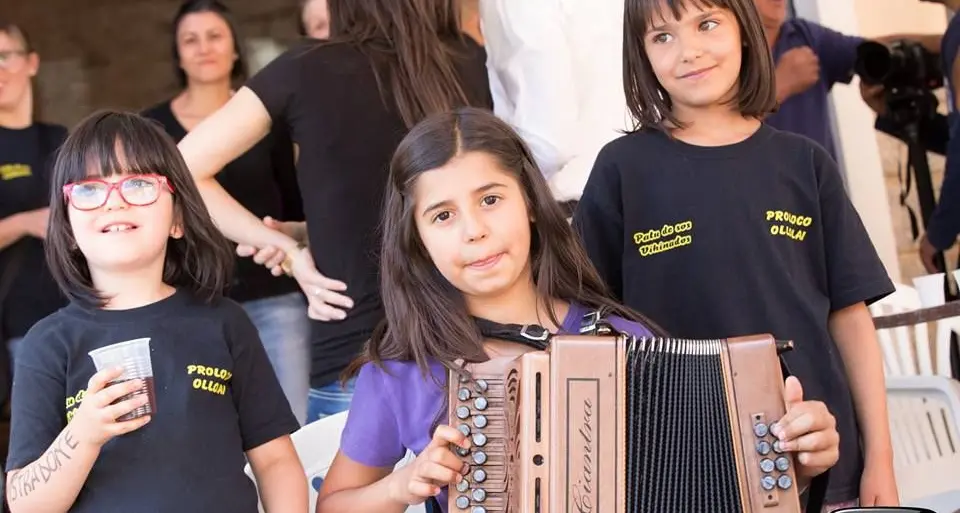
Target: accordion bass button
462,452
479,495
482,385
768,482
463,486
763,447
785,482
760,429
479,509
783,464
479,439
464,429
479,475
479,457
463,394
463,412
463,502
480,403
777,448
766,465
480,421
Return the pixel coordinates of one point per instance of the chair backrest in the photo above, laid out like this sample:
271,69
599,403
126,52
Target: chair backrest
910,350
317,444
925,430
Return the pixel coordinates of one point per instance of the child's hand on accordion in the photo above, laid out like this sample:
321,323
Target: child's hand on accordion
437,466
809,430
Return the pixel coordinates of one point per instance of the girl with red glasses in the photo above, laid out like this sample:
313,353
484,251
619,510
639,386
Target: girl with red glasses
133,247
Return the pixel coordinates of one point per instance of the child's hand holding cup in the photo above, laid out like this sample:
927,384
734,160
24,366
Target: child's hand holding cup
120,397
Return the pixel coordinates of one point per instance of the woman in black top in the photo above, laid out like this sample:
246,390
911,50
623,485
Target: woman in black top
208,59
347,103
27,291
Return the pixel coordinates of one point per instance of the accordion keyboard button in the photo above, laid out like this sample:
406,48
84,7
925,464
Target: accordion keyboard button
768,482
479,475
480,421
463,502
785,482
463,486
783,464
463,412
763,447
766,465
479,509
479,439
479,457
777,448
463,394
463,453
464,429
760,429
482,385
479,495
480,403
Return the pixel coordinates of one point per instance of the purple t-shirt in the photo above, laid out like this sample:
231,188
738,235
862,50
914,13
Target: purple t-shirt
807,113
395,410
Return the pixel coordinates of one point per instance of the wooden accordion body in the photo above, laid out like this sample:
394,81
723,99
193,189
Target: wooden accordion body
617,424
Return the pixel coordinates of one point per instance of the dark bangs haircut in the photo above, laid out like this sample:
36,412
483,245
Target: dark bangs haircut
650,103
18,33
409,45
238,73
110,143
426,316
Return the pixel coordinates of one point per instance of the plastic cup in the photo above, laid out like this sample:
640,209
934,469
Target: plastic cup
930,288
134,357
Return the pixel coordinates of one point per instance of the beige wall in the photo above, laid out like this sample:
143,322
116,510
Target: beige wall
879,17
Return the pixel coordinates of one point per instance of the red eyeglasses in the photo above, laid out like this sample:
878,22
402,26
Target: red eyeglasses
135,190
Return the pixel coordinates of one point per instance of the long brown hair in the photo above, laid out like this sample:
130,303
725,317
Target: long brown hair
409,44
426,317
650,103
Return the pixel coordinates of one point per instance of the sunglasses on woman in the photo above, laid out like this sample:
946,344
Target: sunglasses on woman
135,190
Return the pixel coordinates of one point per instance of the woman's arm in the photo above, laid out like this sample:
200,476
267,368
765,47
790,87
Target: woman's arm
280,476
214,143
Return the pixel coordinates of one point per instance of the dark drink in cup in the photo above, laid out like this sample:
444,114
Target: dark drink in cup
134,357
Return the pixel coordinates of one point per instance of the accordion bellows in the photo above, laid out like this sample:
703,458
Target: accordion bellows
615,424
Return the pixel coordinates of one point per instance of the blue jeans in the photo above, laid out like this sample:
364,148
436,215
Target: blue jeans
329,400
285,331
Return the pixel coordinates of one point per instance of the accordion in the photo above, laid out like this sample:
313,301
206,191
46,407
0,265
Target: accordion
619,424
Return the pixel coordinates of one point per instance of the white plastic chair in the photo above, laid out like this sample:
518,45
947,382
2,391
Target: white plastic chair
906,349
925,430
317,444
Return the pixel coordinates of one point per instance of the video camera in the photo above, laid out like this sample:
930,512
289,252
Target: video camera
908,73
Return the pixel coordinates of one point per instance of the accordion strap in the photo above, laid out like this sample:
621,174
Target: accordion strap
536,336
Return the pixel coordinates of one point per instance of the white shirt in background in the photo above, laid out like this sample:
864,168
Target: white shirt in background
556,76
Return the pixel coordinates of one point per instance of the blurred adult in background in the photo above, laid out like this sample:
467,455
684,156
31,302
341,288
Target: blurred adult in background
314,19
810,60
27,148
208,61
347,103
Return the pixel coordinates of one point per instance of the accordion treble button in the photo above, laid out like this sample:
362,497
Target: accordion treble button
463,502
768,483
463,412
480,403
766,465
479,475
479,457
463,394
480,421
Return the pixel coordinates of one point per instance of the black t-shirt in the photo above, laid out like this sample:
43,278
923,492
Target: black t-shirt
26,158
264,181
754,237
327,95
217,397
